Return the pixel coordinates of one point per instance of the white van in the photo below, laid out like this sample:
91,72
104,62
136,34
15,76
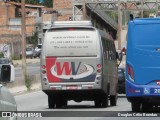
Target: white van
78,62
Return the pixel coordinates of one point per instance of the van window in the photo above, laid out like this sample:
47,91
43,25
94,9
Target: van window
71,43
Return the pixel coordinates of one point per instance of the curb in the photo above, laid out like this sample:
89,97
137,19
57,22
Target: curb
23,90
18,86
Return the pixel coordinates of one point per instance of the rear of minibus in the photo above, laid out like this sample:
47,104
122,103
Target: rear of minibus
143,60
71,60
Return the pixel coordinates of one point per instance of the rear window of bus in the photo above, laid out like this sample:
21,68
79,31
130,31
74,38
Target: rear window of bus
71,42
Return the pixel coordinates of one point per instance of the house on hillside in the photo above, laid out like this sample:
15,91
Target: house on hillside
10,25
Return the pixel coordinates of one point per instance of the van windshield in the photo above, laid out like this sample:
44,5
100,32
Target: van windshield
71,43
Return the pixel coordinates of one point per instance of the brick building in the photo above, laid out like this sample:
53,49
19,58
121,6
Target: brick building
64,8
10,24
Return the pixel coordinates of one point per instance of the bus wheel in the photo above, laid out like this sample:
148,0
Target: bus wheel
59,104
64,103
136,107
147,107
97,103
113,100
105,102
51,102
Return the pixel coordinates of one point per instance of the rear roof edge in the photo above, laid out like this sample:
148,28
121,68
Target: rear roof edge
71,23
146,21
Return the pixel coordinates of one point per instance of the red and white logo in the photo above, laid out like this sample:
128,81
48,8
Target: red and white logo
67,70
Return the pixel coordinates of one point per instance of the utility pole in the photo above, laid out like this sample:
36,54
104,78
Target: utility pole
119,25
156,7
23,29
141,8
84,10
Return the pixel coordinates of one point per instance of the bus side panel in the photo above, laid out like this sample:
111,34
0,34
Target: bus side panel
109,67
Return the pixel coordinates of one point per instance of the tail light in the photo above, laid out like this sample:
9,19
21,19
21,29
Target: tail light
43,69
71,28
99,67
130,71
43,72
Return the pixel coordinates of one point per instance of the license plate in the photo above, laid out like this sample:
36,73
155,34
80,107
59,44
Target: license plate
155,90
72,87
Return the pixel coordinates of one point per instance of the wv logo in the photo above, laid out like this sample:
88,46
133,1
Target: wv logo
65,67
67,71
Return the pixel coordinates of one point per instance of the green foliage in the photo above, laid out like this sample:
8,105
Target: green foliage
145,14
1,55
34,39
28,82
152,11
16,57
113,15
47,3
34,2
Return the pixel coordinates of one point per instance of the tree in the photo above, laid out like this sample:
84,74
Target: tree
33,39
47,3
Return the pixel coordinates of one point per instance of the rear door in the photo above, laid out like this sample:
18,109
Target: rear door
71,55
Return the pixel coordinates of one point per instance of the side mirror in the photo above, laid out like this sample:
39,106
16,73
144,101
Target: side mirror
7,73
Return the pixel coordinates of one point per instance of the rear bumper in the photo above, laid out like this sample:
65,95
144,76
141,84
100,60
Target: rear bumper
76,94
141,90
142,93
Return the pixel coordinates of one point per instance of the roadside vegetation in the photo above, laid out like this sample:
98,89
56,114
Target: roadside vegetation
47,3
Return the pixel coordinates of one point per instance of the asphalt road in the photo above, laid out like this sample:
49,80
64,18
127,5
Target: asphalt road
36,102
32,69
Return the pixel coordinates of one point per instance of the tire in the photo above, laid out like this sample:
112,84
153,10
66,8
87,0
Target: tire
113,100
147,107
97,103
51,102
60,102
64,103
105,102
136,107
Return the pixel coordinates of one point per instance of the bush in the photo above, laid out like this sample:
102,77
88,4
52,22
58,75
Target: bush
1,55
28,82
16,57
